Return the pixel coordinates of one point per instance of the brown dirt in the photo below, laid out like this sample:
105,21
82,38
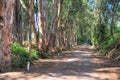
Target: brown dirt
78,64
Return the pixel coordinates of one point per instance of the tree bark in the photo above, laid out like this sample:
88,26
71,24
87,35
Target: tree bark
52,38
18,21
33,22
43,24
5,41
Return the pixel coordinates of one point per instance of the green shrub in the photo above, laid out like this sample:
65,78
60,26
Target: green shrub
107,45
14,61
20,55
34,54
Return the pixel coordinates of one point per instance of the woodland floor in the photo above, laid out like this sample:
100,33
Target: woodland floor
78,64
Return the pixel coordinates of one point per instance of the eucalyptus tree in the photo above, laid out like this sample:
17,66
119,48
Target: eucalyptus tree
6,10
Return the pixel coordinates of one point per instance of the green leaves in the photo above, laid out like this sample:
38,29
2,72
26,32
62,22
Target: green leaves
20,55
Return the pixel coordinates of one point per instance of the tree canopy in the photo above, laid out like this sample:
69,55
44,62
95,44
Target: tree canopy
44,27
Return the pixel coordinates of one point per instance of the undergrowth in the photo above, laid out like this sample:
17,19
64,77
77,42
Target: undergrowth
20,55
109,47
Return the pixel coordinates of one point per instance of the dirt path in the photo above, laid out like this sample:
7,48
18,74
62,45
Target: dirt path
79,64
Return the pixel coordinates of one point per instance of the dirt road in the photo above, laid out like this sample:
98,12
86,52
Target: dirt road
79,64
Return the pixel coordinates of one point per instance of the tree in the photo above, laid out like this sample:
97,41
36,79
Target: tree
6,36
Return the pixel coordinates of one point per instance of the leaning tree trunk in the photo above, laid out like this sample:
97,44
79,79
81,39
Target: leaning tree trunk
7,7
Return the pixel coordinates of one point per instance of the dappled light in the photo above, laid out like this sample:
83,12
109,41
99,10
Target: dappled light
59,39
75,65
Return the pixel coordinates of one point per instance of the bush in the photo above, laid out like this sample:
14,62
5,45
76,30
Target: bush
108,45
20,55
34,54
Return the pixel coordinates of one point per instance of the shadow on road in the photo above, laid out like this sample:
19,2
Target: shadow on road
79,64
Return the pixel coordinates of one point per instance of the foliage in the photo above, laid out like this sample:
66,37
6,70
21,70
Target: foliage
90,21
20,55
108,45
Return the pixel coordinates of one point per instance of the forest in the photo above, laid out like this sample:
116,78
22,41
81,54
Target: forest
33,29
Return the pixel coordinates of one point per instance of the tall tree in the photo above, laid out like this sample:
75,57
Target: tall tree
43,23
6,38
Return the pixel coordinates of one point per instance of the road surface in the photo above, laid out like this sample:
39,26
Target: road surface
78,64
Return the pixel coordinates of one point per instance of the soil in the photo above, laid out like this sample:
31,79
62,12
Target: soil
80,63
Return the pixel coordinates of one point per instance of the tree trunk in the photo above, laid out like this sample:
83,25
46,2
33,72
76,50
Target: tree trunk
112,26
33,22
43,23
32,28
18,21
5,41
52,38
59,22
